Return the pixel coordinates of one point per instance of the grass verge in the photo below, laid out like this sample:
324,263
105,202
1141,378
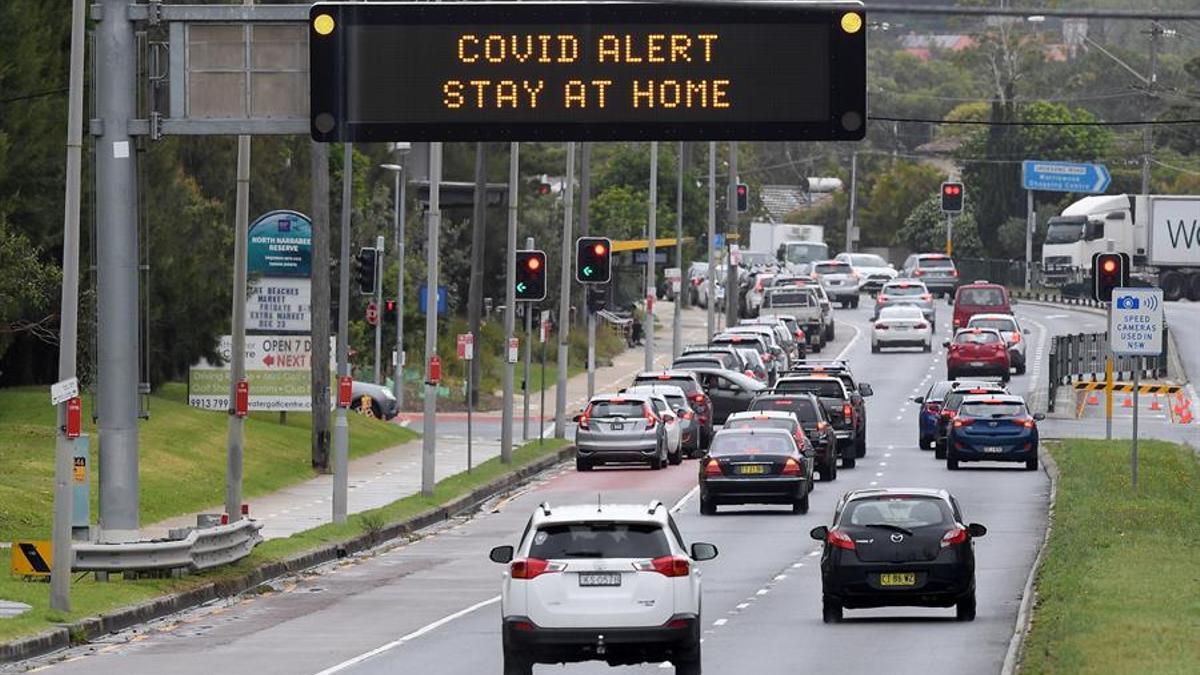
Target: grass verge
181,456
89,598
1119,590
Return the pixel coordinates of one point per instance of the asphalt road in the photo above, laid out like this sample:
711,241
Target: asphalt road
432,606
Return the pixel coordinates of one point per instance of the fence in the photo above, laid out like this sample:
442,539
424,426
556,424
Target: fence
1074,358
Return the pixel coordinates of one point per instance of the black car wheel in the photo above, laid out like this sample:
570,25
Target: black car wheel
829,471
849,459
1031,464
582,464
951,461
517,664
707,508
657,462
801,505
925,443
675,458
939,450
688,663
860,445
831,610
965,609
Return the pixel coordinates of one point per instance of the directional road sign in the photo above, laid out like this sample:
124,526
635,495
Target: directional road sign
1064,176
1135,325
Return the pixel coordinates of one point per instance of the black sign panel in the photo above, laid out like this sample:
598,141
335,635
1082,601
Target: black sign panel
508,71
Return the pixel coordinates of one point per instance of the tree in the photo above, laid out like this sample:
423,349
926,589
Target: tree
27,289
895,194
925,230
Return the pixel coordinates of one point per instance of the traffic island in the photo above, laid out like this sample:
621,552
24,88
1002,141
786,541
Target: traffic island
1117,591
102,608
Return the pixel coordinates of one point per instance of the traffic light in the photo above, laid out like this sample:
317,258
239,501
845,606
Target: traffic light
1109,271
364,270
593,260
531,275
952,197
597,298
389,306
743,198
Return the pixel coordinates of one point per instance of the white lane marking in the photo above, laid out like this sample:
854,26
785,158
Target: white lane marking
899,417
720,622
780,577
846,349
884,463
411,636
797,565
762,591
874,483
743,605
891,447
878,474
683,500
814,553
887,454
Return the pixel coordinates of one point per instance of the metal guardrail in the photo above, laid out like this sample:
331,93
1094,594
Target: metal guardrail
1059,299
201,549
1080,357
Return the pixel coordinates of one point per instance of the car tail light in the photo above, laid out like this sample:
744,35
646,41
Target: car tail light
800,335
749,373
678,624
954,537
957,322
948,414
790,468
698,398
932,407
668,566
881,326
1029,423
525,626
688,414
918,273
583,422
881,298
712,468
651,420
1016,337
847,411
531,568
962,422
768,357
758,287
927,297
839,539
953,273
921,326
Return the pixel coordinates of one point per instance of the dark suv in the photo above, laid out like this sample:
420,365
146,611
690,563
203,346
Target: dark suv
835,396
813,420
697,398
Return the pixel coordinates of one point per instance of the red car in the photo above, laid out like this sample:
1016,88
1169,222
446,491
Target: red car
980,297
977,351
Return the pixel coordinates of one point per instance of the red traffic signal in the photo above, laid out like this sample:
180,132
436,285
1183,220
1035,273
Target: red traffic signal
1109,271
743,197
952,197
389,306
593,262
531,275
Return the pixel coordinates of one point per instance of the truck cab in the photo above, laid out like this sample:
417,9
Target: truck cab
1085,228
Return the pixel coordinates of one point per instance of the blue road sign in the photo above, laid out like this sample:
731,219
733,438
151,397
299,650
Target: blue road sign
443,295
1064,176
719,240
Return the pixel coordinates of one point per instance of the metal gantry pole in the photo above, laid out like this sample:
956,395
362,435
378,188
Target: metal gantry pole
379,314
475,286
117,272
1133,456
64,448
433,224
510,302
321,307
731,275
648,332
399,218
1029,226
235,441
564,305
341,426
676,328
709,281
528,357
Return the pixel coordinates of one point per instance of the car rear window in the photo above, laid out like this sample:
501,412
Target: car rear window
825,387
802,408
1007,409
740,444
699,363
936,263
901,312
867,260
900,511
617,409
988,297
676,401
764,423
1004,325
789,299
833,268
599,540
938,391
904,290
688,385
980,338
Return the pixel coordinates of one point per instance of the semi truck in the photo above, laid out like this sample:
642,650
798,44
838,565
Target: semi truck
790,244
1161,233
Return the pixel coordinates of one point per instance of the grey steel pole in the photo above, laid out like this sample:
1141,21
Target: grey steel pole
949,234
321,307
709,282
398,217
117,272
1133,457
585,229
528,355
731,275
475,287
676,329
1148,129
651,240
64,448
379,257
1029,225
341,426
853,202
235,441
564,304
510,302
433,225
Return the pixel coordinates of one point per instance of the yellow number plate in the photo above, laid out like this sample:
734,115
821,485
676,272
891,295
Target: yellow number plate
898,579
752,469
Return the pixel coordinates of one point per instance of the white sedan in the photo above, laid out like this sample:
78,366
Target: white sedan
901,326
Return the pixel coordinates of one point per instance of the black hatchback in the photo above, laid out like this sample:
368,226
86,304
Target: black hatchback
898,547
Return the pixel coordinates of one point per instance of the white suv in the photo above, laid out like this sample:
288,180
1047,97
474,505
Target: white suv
605,582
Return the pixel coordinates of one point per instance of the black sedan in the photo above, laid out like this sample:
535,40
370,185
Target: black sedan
754,466
815,423
898,547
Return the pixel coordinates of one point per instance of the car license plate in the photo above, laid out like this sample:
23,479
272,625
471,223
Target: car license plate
977,364
898,579
599,579
616,426
993,448
751,469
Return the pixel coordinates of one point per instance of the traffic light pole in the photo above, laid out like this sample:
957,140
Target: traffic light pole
510,302
235,439
433,225
651,251
949,234
709,283
731,275
528,357
1030,223
341,428
564,305
676,329
379,313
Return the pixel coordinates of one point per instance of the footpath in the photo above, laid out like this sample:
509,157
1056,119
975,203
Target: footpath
392,474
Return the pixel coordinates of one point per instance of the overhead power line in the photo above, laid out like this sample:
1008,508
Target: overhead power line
1148,13
40,94
986,123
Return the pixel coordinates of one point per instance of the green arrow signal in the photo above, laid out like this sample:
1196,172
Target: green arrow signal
587,270
521,286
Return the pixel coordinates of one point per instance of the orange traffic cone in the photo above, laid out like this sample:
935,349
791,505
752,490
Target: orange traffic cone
1186,417
1128,402
1155,405
1093,399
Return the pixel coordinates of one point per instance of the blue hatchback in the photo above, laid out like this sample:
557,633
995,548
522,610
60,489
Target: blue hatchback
993,428
927,415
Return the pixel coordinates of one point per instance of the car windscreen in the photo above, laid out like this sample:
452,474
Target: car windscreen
832,268
980,338
751,444
954,398
981,297
688,385
698,363
802,408
998,409
938,391
789,299
899,511
752,357
676,401
1002,325
936,263
902,290
828,388
599,540
760,423
867,260
617,409
1065,230
799,252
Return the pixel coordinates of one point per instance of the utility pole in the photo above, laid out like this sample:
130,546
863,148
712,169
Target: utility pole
528,310
585,229
235,442
64,448
510,302
320,306
564,305
712,239
475,288
341,426
1155,32
117,271
676,329
379,316
853,220
399,207
731,277
651,251
433,226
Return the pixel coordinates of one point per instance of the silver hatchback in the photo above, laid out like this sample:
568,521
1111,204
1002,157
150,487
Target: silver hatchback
620,428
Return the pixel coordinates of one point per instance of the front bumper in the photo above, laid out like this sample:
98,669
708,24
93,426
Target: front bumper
617,646
770,490
939,583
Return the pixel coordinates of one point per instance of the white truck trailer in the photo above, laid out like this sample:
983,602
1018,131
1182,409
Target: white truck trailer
789,244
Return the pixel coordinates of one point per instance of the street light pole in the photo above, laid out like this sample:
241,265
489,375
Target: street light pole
398,217
709,281
651,251
564,305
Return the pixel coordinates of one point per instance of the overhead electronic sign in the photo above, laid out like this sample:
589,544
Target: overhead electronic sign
508,71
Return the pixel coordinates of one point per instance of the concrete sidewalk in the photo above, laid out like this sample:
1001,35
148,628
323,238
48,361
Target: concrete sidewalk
386,476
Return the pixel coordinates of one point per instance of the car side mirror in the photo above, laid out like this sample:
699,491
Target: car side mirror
1039,416
577,417
917,399
819,533
976,530
702,551
680,411
945,343
865,389
501,554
